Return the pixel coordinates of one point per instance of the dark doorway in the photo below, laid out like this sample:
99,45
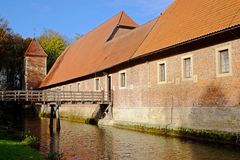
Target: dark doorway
109,86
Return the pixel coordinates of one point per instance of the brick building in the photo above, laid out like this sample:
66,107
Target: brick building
178,70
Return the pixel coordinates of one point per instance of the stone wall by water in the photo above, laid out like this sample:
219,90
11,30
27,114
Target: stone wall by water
225,119
73,112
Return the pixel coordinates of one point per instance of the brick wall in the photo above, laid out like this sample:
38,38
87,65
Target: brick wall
204,90
35,71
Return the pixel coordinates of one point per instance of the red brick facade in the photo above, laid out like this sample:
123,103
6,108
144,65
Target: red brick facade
205,89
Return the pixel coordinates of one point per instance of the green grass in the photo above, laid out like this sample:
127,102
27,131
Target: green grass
13,150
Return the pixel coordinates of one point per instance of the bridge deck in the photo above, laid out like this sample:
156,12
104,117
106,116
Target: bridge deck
56,96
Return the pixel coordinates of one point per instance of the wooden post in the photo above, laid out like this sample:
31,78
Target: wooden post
15,96
51,116
82,95
58,125
103,96
92,97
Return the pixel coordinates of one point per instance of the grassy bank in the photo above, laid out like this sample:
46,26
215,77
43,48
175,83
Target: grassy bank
13,148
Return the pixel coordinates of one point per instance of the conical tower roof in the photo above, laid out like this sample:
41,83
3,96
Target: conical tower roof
35,50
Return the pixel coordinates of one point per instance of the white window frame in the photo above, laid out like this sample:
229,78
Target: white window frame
183,69
119,79
217,53
158,72
95,85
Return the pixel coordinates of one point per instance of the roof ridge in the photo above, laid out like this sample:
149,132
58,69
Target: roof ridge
55,66
120,17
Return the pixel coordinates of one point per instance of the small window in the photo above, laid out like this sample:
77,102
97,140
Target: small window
70,87
78,87
223,61
97,84
122,79
187,67
162,72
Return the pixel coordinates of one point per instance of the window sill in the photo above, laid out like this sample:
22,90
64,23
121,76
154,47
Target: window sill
187,79
121,88
219,75
162,82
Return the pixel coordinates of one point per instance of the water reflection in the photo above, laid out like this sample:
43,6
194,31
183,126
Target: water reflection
79,141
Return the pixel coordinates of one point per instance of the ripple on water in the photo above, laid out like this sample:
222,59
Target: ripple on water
83,142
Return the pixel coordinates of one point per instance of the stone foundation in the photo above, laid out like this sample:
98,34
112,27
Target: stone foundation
225,119
219,124
74,112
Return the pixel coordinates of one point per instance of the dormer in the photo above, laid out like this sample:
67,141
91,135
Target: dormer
125,25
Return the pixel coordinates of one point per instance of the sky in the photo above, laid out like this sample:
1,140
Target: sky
71,17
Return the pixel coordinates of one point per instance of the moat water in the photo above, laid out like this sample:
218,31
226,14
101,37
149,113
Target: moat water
86,142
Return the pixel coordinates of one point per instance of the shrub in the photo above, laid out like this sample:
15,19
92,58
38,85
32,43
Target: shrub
31,141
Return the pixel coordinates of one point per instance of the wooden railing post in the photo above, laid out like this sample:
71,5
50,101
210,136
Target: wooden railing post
103,96
18,95
27,96
82,95
71,96
31,96
15,95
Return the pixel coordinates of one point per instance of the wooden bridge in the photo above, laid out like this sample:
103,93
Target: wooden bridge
61,97
55,98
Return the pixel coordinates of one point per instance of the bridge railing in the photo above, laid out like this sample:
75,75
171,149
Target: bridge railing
21,95
57,96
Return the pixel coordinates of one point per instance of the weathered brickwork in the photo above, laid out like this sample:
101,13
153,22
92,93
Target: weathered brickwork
35,71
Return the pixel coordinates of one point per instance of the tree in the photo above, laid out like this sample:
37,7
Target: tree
53,44
12,49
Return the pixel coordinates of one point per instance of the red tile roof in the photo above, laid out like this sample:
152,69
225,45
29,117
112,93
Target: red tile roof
123,48
85,55
35,50
184,20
